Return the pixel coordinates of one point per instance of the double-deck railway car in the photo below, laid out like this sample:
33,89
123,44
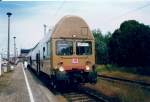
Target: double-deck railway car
66,53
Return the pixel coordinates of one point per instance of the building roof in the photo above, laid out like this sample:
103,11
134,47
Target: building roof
25,51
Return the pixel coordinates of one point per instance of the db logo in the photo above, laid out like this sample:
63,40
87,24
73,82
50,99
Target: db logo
75,60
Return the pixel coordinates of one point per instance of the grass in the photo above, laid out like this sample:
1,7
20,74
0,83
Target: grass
124,92
103,88
109,67
5,80
128,93
121,72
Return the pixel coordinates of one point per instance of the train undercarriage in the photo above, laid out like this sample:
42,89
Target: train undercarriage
65,79
73,77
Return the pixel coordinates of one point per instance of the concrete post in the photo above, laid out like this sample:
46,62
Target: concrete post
0,65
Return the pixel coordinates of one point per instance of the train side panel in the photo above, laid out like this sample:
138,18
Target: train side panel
68,55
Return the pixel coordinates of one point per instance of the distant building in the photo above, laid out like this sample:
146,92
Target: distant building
23,53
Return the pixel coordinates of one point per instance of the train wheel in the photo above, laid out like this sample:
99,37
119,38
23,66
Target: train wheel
53,83
38,72
28,66
55,86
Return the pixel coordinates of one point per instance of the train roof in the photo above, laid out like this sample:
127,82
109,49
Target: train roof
72,26
68,27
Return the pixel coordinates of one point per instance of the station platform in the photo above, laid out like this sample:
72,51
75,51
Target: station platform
20,85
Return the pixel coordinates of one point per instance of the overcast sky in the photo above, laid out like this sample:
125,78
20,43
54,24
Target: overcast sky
28,17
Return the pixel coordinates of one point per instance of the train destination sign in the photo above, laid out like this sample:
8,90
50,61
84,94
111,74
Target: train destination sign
82,44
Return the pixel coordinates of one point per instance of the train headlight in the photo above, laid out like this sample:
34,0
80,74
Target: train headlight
87,68
56,67
61,69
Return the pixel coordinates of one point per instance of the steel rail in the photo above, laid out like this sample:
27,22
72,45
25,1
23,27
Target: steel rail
124,80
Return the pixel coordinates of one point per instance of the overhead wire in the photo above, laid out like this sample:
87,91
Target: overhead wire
56,13
59,8
129,12
107,23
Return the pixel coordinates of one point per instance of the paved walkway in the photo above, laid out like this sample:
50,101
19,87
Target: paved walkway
14,88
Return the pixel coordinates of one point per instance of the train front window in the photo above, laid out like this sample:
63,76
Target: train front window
84,48
64,47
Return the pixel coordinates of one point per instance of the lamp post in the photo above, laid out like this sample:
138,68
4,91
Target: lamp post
44,29
8,48
14,48
16,52
2,53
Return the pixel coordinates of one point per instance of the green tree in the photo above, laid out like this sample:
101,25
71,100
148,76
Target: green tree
101,46
130,44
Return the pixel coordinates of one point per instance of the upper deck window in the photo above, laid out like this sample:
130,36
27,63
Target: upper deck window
83,48
64,48
48,48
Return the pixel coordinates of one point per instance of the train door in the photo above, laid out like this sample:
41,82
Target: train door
43,53
30,61
38,63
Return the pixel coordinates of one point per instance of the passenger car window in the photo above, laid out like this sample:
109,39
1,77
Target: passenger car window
64,47
43,52
83,47
48,48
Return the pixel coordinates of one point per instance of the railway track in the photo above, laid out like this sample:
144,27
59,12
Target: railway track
125,80
74,96
78,93
75,93
85,94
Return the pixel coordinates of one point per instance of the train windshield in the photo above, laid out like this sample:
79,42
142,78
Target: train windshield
64,47
84,48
